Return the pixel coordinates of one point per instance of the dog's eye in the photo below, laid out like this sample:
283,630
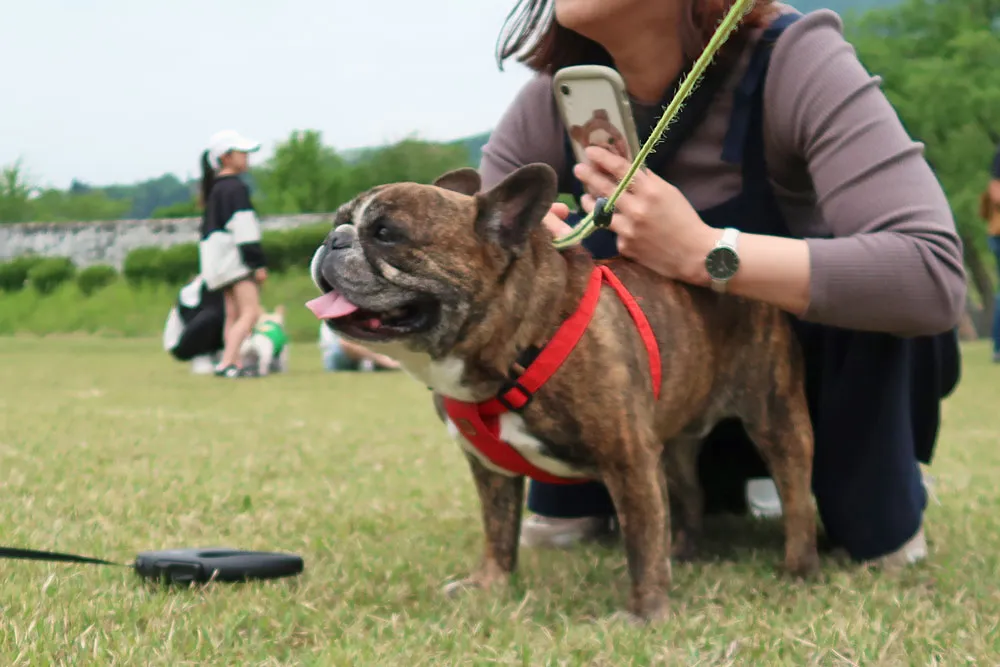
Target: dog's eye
385,233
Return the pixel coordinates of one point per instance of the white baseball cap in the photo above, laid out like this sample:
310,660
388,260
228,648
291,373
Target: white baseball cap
222,142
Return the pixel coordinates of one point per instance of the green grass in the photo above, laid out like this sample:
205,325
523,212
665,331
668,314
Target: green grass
122,311
108,448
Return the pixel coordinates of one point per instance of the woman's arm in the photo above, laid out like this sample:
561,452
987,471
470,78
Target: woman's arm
529,131
895,261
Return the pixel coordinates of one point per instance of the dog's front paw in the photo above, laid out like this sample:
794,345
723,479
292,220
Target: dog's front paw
803,566
649,617
623,617
650,609
475,582
456,589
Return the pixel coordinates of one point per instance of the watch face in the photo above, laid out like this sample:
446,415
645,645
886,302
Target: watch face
721,263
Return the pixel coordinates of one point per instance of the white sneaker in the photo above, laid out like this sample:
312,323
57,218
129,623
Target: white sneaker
553,533
203,365
763,499
914,551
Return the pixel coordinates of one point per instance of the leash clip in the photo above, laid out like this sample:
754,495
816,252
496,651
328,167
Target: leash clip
602,214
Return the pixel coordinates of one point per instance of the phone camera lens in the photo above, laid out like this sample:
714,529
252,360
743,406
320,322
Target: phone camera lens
564,89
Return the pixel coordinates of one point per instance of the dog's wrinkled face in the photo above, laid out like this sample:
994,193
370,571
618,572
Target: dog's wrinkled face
412,262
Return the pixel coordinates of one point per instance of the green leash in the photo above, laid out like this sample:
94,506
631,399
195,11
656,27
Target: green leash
600,217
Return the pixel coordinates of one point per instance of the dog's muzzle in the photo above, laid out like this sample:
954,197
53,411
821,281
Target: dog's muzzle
316,264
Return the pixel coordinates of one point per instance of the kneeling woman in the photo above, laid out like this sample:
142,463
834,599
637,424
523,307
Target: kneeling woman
230,252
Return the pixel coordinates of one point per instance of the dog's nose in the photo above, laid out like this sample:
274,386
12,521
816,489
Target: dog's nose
341,238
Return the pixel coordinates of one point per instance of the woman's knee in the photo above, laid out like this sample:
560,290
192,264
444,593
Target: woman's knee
870,518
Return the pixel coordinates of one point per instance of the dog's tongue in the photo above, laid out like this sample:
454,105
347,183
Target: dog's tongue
330,306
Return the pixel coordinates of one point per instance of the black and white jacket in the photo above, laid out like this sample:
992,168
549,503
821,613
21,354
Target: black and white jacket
230,249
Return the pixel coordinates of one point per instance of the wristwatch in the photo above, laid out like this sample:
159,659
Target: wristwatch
722,260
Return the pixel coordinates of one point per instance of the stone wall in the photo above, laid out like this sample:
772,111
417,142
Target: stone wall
89,243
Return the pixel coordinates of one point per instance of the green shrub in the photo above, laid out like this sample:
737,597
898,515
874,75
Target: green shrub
301,244
51,272
275,246
14,273
180,263
122,310
95,277
144,265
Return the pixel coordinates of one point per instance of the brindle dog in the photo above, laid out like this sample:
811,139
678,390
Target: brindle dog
455,283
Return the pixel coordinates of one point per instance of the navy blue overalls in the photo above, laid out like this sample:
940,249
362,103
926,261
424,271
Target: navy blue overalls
874,398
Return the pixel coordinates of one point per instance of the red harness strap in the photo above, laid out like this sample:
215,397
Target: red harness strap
480,422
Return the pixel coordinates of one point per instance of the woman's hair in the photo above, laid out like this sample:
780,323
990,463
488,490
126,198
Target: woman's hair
207,178
532,34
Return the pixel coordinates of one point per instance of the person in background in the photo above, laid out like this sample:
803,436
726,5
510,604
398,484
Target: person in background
194,327
837,218
990,211
232,260
343,355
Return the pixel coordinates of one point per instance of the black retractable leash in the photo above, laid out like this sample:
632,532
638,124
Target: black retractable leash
184,566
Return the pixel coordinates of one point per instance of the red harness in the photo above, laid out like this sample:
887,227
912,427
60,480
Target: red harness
480,422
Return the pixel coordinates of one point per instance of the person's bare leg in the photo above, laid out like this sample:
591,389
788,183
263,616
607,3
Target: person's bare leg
231,311
247,303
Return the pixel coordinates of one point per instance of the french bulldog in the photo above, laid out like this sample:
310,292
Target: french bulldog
266,348
457,283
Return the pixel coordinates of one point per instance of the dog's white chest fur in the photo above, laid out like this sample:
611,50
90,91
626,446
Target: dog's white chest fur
445,377
514,432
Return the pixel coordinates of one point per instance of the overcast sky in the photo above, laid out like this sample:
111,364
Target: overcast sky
115,91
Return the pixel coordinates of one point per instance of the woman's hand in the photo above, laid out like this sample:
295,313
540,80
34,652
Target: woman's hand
655,223
658,227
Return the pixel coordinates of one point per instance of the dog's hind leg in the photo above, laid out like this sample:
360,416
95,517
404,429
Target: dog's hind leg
501,498
687,501
784,436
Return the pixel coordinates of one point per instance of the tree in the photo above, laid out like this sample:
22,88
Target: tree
15,194
303,176
20,201
409,160
184,209
149,195
60,206
938,60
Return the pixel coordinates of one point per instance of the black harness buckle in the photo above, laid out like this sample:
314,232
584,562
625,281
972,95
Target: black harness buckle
509,385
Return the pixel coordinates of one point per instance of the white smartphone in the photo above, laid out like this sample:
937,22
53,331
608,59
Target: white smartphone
595,110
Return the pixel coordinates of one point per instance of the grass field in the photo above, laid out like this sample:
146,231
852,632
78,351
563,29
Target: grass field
108,448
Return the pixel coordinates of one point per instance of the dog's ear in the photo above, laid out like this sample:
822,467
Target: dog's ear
465,181
511,209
